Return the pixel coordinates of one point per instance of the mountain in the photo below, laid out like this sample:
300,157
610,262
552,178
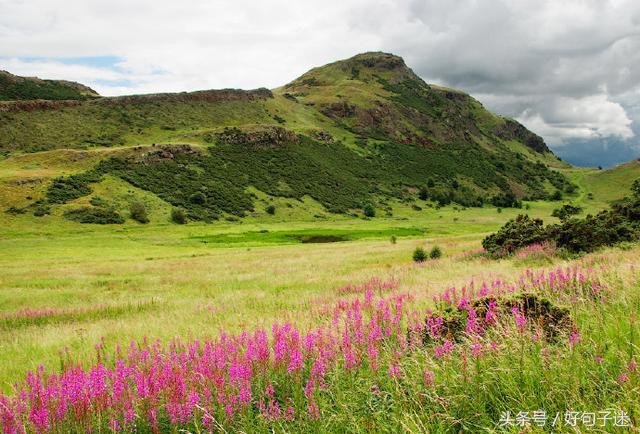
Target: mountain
13,87
365,130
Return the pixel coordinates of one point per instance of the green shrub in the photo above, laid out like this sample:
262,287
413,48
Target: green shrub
635,188
369,210
566,211
516,233
271,209
393,239
138,212
71,187
435,253
419,255
41,210
89,214
198,198
178,216
557,195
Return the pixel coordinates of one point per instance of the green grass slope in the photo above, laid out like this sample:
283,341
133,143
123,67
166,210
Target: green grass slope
365,132
13,87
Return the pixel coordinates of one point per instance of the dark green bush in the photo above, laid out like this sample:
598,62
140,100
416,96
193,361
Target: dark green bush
178,216
620,223
635,188
506,200
71,187
369,210
89,214
435,253
557,195
138,212
566,211
419,255
516,233
41,210
198,198
271,209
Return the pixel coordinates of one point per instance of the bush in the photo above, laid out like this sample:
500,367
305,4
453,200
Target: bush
198,198
393,239
90,214
71,187
419,255
271,209
566,211
435,253
41,210
178,216
506,200
423,194
369,210
557,195
635,188
516,233
139,212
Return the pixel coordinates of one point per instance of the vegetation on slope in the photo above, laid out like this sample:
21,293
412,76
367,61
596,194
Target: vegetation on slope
350,135
13,87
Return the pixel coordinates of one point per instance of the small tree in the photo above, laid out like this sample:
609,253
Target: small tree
393,239
178,216
138,212
419,255
369,210
435,253
271,209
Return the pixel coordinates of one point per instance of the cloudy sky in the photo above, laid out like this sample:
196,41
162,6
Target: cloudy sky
569,70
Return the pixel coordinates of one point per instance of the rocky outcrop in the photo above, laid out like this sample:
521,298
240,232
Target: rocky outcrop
267,137
210,96
513,130
202,95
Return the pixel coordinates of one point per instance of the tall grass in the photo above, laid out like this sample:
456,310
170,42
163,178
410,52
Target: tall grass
369,367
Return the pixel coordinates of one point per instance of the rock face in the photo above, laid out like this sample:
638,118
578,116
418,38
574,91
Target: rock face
202,95
512,130
267,137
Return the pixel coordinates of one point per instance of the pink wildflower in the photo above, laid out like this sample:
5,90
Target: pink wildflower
476,350
574,338
313,412
521,320
429,378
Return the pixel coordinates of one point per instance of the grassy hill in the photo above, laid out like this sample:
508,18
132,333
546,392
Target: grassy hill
13,87
362,133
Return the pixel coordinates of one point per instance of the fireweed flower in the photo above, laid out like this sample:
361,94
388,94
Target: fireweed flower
476,350
492,313
574,338
521,320
473,328
429,378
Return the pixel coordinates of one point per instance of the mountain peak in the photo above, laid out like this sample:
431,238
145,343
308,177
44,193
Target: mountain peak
363,67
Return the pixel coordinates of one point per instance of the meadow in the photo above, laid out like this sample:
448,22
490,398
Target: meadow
243,326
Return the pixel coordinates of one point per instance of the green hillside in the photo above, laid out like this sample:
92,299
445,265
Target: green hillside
13,87
359,134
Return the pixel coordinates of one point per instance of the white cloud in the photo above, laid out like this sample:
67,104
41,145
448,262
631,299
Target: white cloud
589,117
